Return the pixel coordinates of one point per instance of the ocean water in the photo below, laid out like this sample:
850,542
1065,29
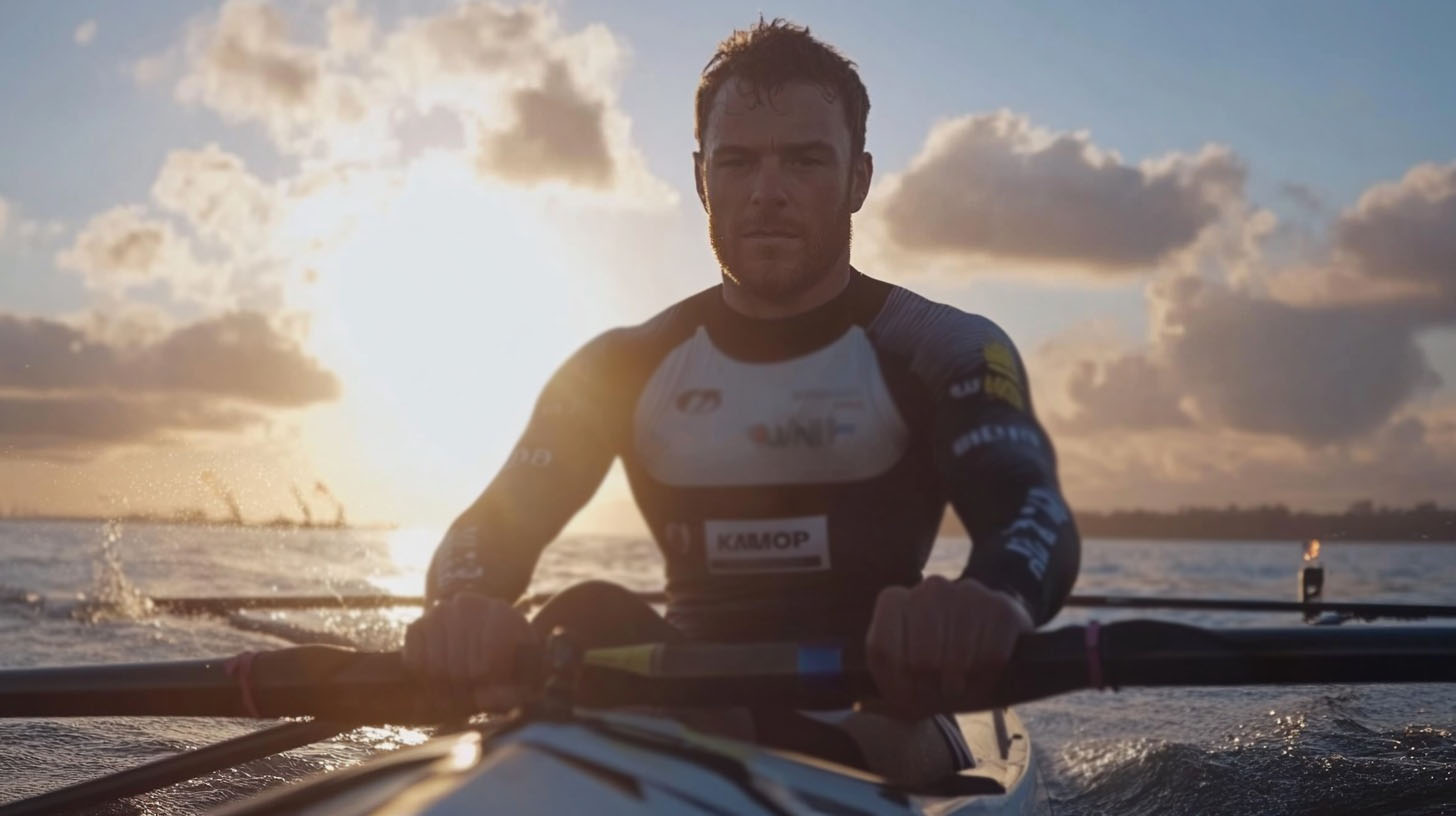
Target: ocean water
1287,750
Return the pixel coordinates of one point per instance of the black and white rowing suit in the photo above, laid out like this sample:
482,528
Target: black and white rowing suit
789,469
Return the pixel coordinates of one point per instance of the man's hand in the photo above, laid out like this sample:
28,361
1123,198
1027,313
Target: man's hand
468,648
940,646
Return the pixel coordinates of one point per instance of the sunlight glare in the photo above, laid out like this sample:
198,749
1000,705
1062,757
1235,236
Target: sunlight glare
444,312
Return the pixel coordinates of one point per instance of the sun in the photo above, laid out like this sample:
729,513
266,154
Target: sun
444,311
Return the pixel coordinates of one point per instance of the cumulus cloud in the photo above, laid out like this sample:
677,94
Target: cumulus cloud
236,356
1304,196
247,67
1321,351
1129,392
122,249
63,386
214,191
85,33
1411,459
557,134
1225,358
350,31
54,423
1406,230
538,101
1317,375
994,185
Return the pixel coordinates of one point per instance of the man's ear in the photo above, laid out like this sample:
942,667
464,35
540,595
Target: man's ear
698,179
859,180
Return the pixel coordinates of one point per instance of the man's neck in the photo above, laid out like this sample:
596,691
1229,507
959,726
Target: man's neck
824,290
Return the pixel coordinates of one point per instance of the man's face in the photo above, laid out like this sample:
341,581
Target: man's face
779,184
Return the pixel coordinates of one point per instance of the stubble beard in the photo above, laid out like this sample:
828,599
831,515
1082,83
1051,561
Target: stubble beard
772,281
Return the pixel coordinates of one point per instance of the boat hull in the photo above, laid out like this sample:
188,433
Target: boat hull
618,763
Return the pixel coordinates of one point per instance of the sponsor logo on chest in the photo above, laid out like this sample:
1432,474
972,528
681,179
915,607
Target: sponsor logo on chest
767,545
800,432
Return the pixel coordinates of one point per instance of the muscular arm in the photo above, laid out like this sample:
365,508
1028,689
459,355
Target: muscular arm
553,471
1000,470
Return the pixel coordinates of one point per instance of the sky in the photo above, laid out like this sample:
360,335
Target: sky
323,255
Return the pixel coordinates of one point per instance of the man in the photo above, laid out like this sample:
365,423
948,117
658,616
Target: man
792,437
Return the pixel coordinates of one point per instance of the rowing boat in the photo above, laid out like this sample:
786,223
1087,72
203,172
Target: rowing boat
576,748
624,763
586,744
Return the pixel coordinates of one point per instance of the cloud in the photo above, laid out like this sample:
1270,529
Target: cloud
1224,358
1317,375
1406,230
1305,197
238,356
558,134
1320,350
247,68
151,69
349,30
538,102
994,185
1128,392
213,190
68,390
85,33
4,216
55,423
1411,459
122,249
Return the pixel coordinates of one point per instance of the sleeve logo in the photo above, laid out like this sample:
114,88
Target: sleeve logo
1003,378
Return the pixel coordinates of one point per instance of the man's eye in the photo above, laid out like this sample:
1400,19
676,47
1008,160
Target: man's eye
733,161
806,161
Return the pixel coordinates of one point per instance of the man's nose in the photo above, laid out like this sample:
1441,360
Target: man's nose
769,189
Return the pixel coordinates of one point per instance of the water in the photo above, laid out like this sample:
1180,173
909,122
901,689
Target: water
1290,750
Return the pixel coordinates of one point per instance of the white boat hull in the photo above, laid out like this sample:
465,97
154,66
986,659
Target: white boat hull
618,763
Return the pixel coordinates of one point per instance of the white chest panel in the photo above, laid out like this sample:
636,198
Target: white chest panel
707,420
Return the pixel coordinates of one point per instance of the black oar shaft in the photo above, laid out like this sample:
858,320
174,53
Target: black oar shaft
320,681
375,687
1362,610
1365,611
174,769
1157,653
221,606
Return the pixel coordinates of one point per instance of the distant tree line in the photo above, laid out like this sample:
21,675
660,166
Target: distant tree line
1362,521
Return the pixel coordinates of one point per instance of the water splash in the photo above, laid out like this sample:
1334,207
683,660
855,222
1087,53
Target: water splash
112,596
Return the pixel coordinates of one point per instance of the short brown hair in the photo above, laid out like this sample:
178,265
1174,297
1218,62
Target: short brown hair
771,54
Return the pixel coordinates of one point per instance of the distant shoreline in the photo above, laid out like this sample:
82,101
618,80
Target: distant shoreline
1424,523
164,521
1364,522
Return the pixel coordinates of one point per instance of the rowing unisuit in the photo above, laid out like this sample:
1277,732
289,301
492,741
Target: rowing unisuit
788,469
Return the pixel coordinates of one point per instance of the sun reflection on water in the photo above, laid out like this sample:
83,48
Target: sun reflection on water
410,550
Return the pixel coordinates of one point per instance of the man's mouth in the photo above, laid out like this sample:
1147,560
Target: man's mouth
771,234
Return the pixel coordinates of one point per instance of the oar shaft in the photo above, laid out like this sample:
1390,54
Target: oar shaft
221,606
174,769
321,681
375,687
1156,653
1365,611
1362,610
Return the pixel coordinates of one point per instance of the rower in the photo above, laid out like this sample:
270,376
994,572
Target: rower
792,436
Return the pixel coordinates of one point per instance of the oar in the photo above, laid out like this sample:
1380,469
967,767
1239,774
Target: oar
374,687
174,769
1361,610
